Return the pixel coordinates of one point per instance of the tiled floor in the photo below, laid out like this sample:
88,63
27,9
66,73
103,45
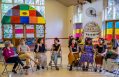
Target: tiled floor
63,72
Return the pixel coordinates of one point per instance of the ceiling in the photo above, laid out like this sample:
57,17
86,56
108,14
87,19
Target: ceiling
70,2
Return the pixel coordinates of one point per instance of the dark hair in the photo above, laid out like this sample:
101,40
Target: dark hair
39,40
88,39
56,39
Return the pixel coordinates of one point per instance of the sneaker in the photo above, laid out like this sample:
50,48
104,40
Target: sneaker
14,71
38,67
57,68
86,68
70,69
83,68
100,70
95,69
42,67
50,64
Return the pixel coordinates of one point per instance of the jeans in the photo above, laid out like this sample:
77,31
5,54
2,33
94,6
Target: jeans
54,57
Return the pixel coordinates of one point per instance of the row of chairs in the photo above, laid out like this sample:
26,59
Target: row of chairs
19,68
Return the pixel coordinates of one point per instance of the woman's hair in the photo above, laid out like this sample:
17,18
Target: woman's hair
88,39
56,39
22,39
39,40
7,43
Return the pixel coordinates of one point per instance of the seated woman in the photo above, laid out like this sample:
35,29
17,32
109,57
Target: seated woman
56,49
74,54
87,55
11,57
24,52
112,56
101,52
40,51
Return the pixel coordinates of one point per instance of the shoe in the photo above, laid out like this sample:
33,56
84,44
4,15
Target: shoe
57,68
50,64
83,68
26,67
95,69
14,71
70,69
86,68
38,67
42,67
100,70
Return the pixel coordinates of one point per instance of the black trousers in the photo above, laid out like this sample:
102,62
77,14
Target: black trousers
15,60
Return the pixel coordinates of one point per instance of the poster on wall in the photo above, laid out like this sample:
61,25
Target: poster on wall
30,31
8,31
92,30
19,31
40,31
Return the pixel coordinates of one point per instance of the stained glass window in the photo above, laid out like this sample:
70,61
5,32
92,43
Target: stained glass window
19,1
19,31
41,9
7,1
109,13
8,31
117,11
6,7
29,1
39,30
30,31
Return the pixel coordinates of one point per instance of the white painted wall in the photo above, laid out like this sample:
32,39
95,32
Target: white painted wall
56,18
56,22
70,19
98,5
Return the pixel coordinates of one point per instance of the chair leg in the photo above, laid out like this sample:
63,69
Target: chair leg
116,75
5,70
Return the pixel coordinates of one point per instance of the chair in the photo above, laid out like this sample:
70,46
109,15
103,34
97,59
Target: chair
5,67
59,57
116,74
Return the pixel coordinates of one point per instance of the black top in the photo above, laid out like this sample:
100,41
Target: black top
56,47
101,49
41,48
74,48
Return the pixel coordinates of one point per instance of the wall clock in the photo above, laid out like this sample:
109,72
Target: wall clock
91,12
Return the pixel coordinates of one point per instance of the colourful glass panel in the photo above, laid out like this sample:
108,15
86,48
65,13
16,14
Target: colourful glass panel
109,25
24,15
117,30
117,25
24,20
109,36
109,30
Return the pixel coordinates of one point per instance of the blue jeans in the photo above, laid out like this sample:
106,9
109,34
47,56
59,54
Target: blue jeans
54,57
